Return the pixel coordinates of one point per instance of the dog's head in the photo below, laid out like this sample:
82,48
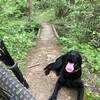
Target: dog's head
73,61
4,55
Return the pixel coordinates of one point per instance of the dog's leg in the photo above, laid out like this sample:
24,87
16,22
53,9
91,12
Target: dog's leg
80,92
56,90
55,66
48,68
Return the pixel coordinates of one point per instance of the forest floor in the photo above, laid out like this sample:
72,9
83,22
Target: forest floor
46,51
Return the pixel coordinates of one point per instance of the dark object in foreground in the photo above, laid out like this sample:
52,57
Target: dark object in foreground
7,60
11,88
68,68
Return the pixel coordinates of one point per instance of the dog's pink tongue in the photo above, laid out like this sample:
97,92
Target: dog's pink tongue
69,67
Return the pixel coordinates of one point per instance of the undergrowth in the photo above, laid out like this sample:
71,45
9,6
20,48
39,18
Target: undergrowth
19,36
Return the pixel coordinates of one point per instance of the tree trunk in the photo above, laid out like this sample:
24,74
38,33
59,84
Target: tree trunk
30,8
42,4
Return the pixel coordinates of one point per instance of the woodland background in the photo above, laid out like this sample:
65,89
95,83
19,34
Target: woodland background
76,21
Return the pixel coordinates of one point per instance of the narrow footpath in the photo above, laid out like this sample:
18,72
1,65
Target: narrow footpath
45,52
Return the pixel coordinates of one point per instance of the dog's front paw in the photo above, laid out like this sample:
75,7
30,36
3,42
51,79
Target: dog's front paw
46,71
52,98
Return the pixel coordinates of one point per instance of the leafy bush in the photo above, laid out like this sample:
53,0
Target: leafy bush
13,8
80,31
61,8
19,36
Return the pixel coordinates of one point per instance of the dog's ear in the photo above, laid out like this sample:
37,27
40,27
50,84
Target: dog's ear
58,65
59,61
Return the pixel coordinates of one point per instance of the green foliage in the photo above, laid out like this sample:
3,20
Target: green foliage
90,96
18,34
18,37
13,8
61,8
82,25
43,4
84,21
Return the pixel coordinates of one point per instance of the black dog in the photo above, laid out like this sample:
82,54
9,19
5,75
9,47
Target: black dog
68,68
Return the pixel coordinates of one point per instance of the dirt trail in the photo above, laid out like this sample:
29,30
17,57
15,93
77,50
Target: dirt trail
45,52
